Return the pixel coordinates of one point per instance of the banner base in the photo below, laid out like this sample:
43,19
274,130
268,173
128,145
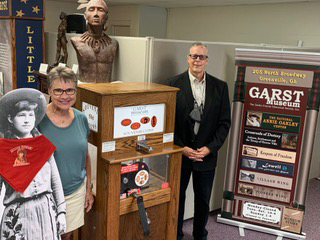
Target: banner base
276,232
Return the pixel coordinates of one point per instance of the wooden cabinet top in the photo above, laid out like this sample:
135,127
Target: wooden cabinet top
134,155
127,88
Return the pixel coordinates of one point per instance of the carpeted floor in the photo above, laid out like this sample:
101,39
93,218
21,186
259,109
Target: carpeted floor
311,224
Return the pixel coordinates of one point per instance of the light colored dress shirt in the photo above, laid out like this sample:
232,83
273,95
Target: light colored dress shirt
199,94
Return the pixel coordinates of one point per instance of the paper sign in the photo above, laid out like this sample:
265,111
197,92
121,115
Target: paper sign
292,220
108,146
43,68
75,68
141,137
62,65
91,113
167,137
138,120
261,212
1,84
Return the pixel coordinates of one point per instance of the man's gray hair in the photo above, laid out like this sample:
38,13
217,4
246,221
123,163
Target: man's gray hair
62,73
199,44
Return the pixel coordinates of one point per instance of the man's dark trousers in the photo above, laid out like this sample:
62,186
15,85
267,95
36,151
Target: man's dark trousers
202,186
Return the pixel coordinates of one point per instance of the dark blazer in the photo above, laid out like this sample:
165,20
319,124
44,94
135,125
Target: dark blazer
215,121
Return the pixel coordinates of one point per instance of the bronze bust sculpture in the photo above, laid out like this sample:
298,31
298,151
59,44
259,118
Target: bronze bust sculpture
95,50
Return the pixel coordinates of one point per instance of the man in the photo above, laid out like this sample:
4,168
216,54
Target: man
95,50
201,127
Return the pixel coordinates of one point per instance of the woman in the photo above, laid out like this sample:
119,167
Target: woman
68,129
34,207
21,158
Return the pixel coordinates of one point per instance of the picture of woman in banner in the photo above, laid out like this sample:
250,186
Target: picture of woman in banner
21,158
254,119
34,206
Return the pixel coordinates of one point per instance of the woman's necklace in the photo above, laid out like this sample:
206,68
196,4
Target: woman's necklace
61,120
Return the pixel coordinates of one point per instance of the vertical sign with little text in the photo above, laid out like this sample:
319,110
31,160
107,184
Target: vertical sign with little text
22,44
29,51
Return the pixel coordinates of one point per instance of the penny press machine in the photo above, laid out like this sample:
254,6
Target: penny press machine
138,166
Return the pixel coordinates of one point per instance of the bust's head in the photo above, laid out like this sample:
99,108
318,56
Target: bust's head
96,13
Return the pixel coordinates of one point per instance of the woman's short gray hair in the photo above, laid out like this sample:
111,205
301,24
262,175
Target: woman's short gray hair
62,73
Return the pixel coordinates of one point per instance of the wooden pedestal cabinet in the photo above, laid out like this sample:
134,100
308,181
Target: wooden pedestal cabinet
120,115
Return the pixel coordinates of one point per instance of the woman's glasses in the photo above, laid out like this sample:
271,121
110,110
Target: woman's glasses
68,91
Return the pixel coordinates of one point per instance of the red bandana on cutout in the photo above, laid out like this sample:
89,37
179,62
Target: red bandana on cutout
21,159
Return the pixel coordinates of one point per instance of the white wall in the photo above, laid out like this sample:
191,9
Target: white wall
127,15
142,20
152,22
282,24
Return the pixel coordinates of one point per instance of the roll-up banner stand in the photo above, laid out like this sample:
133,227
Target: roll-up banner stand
274,116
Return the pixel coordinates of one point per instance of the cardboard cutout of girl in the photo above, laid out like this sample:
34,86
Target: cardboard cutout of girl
34,206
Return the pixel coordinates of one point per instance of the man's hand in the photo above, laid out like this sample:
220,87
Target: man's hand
192,154
187,151
204,151
196,155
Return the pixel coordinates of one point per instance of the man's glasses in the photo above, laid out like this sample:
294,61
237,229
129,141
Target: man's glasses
195,56
68,91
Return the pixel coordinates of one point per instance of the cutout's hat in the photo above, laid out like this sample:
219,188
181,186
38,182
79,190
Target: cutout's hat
9,100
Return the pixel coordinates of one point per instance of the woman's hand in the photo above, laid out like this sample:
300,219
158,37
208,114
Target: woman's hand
89,200
61,223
